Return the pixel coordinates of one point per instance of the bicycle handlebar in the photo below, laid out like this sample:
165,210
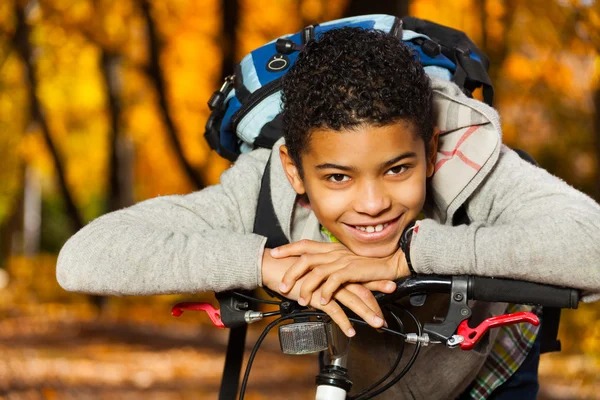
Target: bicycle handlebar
521,292
486,289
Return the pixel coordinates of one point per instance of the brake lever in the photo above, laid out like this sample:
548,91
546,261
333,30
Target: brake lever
472,335
213,313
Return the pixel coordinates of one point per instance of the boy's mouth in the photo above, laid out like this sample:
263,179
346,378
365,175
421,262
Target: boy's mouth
374,231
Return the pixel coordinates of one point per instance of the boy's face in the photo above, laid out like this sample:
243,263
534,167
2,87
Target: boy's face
365,185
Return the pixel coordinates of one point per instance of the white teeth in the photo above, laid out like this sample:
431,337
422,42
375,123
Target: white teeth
371,229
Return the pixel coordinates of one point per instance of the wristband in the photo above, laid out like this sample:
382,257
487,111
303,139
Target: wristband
404,245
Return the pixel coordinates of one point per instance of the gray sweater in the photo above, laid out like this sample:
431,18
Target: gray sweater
526,224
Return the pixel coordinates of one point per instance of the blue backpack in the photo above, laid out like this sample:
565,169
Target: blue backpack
245,112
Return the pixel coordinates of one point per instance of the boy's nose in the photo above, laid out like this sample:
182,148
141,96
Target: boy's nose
372,199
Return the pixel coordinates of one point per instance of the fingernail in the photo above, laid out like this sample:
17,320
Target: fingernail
301,301
351,332
274,251
378,321
385,324
324,301
283,287
390,286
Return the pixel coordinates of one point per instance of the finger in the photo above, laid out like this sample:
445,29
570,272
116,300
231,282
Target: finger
359,307
304,246
366,296
316,276
383,286
337,315
352,273
304,264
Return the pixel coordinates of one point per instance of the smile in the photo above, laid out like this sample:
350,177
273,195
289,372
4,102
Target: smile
373,232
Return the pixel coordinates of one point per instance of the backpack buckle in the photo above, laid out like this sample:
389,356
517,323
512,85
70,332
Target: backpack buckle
218,97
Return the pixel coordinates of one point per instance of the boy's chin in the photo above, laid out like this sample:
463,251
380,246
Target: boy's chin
374,251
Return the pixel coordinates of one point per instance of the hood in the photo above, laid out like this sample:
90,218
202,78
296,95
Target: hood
468,148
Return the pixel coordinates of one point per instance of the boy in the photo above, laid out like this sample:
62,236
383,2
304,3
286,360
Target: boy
370,142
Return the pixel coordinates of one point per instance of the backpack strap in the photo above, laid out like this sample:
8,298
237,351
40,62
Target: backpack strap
550,315
471,63
265,222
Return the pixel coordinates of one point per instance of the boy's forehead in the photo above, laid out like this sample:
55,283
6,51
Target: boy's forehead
361,147
324,141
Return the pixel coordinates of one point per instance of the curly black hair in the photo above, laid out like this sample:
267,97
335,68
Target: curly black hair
349,77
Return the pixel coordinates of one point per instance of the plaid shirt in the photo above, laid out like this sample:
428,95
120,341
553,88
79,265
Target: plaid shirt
510,349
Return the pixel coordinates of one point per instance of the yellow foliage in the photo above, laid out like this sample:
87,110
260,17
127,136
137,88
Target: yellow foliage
456,14
522,69
312,9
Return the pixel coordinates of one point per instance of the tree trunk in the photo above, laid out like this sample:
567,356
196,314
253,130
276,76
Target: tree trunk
229,37
32,213
120,161
497,52
597,141
157,79
398,8
24,48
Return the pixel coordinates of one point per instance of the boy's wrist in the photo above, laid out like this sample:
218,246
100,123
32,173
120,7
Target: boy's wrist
404,245
267,268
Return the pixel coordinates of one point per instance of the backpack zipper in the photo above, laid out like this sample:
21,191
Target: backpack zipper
254,99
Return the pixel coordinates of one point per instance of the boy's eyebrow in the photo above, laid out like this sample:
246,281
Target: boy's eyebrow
335,166
396,159
381,166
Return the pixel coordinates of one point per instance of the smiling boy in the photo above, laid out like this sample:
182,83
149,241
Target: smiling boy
370,141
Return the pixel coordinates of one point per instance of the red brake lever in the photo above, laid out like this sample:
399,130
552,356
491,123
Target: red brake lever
472,335
213,313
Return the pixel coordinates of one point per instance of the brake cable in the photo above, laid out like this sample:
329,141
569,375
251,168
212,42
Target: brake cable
406,368
394,366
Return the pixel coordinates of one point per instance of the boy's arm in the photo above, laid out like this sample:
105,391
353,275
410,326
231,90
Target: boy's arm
526,224
173,244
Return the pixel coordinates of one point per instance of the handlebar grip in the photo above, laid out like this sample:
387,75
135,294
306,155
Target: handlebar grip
510,291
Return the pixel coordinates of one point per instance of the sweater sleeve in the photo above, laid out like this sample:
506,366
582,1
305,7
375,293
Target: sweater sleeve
525,224
198,242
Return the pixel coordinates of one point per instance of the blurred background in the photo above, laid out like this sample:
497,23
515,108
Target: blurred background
103,104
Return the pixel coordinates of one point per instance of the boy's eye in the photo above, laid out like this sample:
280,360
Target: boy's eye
337,178
398,169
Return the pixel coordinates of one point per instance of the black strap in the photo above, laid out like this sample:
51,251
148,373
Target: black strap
468,68
266,222
233,363
549,331
456,45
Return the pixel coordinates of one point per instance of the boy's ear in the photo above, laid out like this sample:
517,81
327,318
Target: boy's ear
432,151
291,171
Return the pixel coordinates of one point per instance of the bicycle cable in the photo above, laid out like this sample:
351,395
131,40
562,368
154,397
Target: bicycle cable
256,299
406,368
392,369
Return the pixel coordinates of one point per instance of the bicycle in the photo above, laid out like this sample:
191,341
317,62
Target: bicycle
311,331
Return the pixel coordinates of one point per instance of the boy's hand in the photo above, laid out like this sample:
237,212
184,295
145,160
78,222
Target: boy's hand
356,297
328,266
